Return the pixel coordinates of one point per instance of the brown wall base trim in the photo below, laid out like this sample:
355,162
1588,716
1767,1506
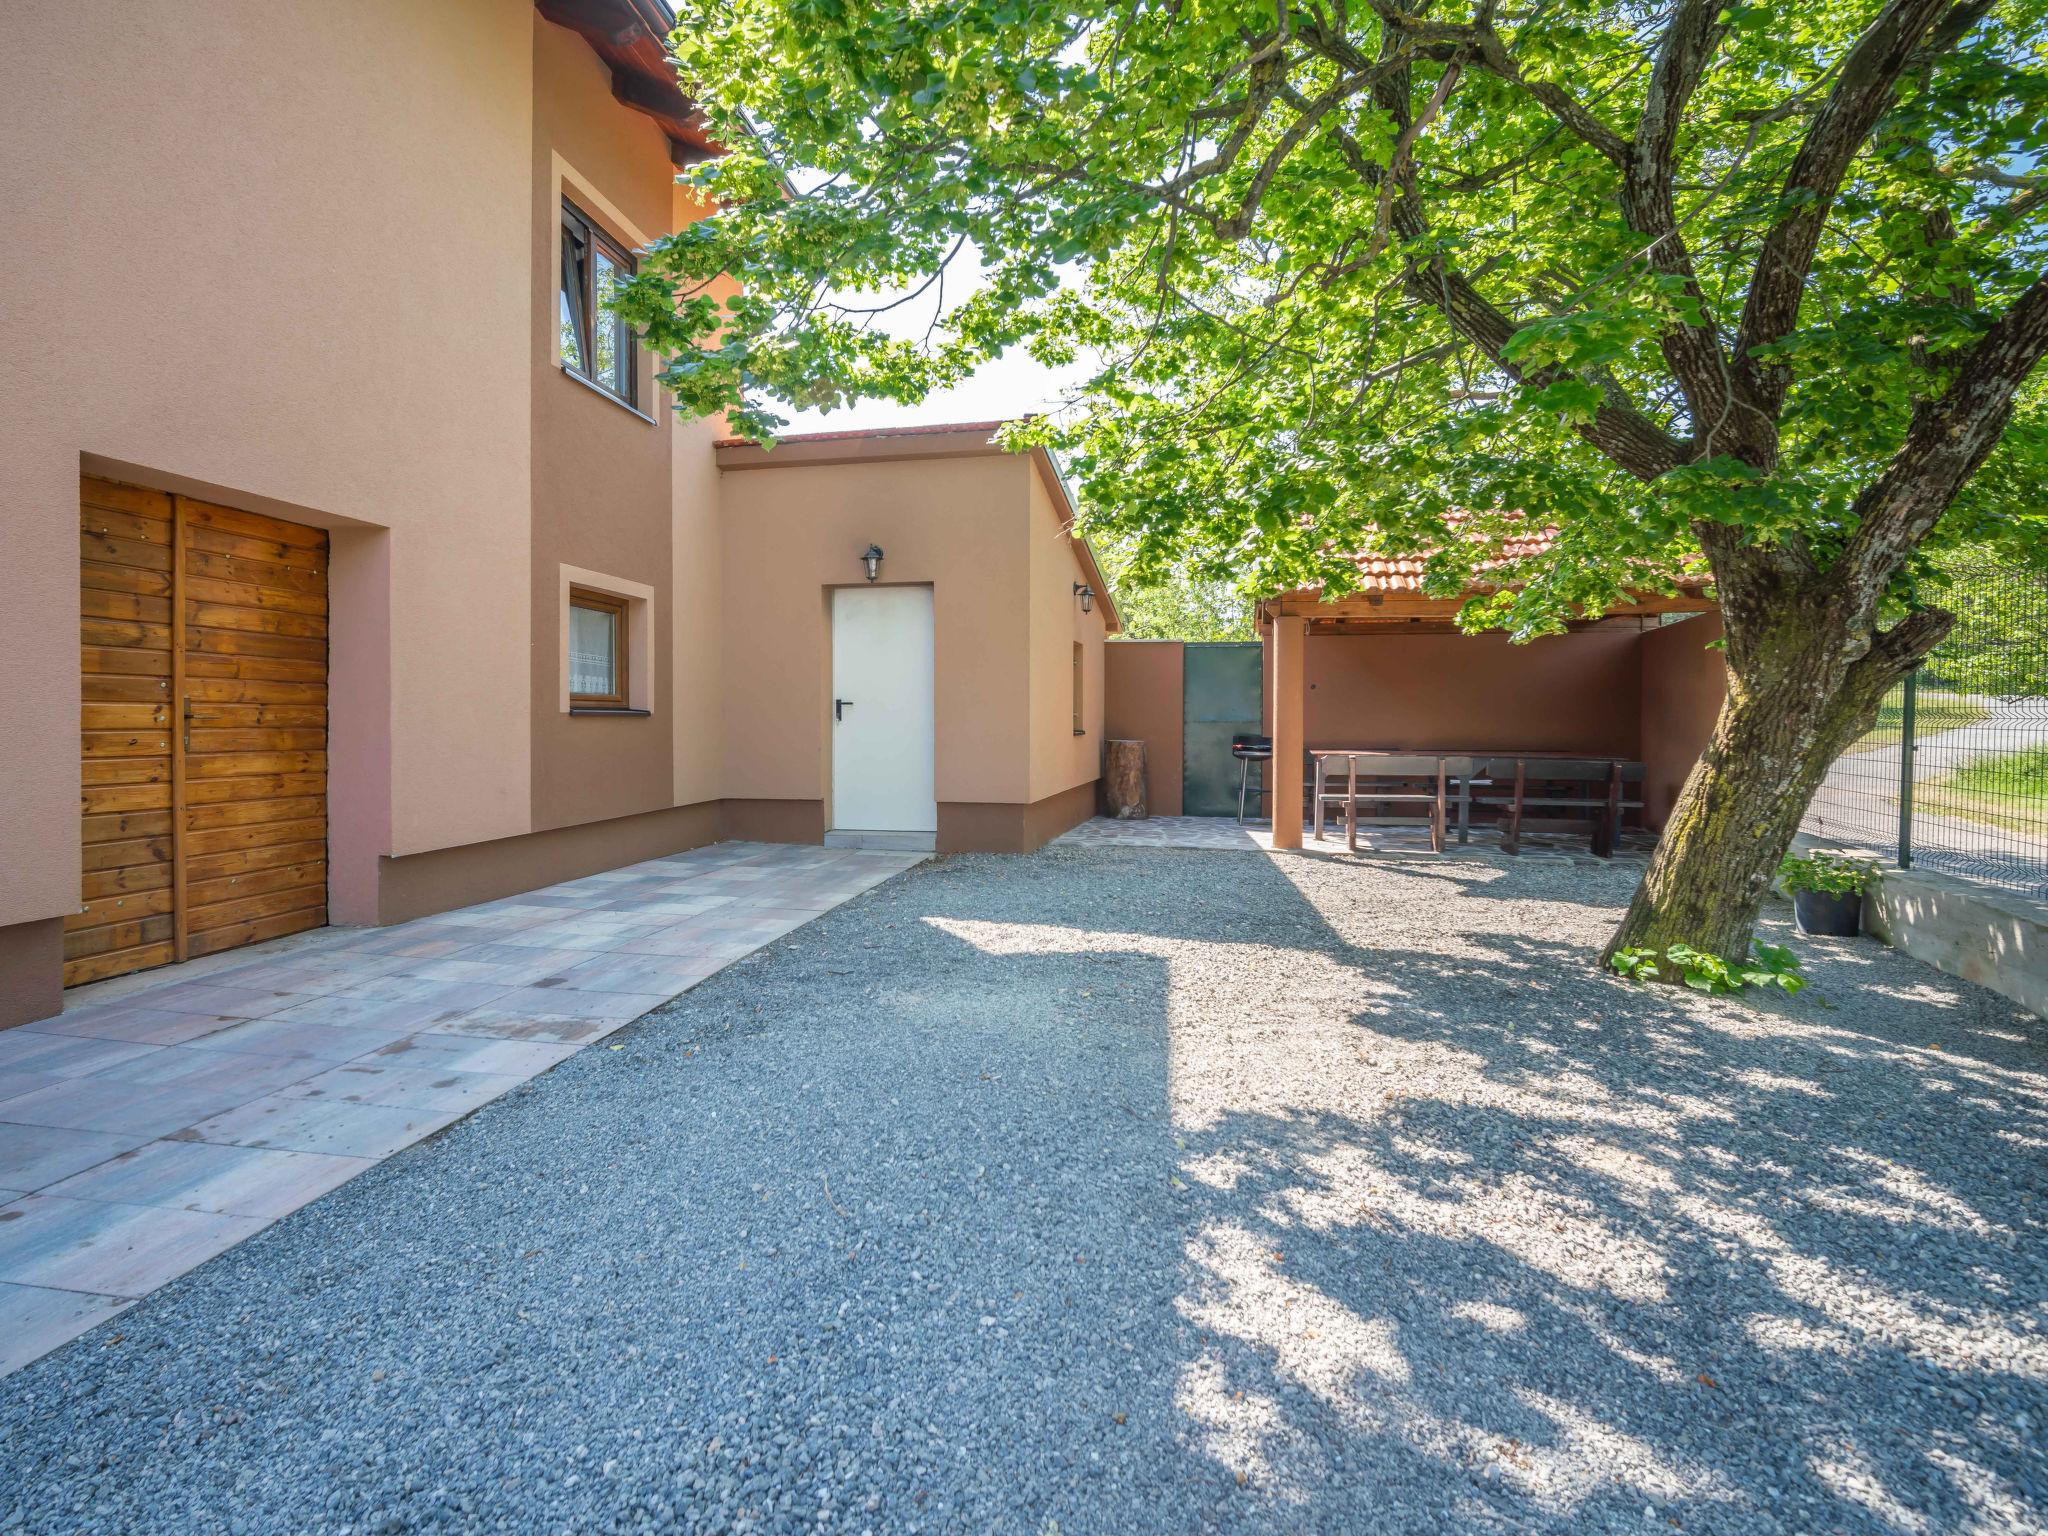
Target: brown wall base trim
775,821
31,971
983,827
423,883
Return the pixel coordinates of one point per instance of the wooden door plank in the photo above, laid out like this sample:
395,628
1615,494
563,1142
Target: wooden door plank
124,525
124,717
126,824
207,514
263,834
274,786
232,861
134,933
77,972
278,578
124,743
252,812
302,885
96,603
107,799
252,594
98,576
144,852
181,737
114,496
114,551
239,547
262,738
268,928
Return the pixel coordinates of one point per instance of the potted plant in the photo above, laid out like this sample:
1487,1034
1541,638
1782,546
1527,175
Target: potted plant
1827,892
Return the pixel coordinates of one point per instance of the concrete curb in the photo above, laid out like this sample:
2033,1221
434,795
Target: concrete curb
1998,939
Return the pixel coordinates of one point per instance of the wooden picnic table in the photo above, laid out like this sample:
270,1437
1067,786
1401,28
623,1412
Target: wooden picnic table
1424,779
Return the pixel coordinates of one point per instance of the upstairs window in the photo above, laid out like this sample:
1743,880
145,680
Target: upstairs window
597,650
596,345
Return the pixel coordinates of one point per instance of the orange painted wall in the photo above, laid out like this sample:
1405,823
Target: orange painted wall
268,253
1059,758
1144,682
978,527
793,531
1564,693
1683,685
601,473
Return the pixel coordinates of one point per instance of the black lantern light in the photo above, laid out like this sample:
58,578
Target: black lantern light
1087,595
871,557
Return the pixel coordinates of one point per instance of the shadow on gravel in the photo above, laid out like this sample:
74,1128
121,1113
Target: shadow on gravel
1602,1255
1119,1192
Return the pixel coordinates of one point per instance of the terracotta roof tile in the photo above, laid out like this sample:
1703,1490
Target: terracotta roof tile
1403,573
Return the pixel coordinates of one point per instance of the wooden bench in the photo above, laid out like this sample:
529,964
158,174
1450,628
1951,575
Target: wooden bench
1349,779
1563,793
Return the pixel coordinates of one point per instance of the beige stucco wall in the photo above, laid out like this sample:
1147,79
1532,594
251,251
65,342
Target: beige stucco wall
602,498
794,530
1059,758
1143,687
229,269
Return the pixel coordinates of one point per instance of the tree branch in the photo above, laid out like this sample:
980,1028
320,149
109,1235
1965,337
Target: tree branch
1949,439
1691,350
1862,91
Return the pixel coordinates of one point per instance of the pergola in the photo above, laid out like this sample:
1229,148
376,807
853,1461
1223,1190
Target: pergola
1390,601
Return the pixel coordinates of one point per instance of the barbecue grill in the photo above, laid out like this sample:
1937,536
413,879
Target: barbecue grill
1248,750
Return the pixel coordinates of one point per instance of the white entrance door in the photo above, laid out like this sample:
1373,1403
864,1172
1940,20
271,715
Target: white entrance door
883,729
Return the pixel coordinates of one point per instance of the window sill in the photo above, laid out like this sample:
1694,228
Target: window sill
604,394
606,709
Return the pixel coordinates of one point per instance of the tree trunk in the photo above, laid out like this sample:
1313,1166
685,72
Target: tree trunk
1123,780
1798,694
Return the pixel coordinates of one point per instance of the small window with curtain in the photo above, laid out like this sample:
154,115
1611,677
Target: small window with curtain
596,344
597,650
1080,658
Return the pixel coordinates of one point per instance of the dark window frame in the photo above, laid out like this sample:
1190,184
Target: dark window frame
579,286
620,609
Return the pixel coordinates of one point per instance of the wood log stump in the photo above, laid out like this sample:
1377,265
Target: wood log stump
1123,780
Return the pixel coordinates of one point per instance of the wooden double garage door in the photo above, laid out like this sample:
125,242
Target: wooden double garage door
203,638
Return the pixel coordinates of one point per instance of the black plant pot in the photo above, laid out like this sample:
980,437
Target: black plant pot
1821,915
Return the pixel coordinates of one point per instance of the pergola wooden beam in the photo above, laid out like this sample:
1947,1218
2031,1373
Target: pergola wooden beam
1395,610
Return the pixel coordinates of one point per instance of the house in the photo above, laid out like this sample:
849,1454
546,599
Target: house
357,568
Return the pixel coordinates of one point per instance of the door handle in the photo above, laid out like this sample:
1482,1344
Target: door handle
839,705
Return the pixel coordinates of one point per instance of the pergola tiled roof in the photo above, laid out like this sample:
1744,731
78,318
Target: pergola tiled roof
1390,586
1403,573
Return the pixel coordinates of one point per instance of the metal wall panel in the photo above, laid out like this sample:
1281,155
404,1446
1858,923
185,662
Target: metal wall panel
1220,698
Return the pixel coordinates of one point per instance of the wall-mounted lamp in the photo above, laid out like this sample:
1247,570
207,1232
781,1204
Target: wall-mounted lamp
871,557
1087,595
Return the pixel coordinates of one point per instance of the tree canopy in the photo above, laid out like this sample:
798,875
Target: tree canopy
1639,271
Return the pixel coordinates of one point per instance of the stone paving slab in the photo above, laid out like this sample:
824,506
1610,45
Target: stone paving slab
1224,834
163,1117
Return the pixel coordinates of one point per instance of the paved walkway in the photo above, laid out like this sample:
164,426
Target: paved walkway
164,1117
1223,834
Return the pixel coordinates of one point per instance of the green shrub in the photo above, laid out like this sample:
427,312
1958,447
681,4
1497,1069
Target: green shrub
1768,965
1828,873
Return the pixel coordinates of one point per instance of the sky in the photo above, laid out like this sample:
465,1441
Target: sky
1014,385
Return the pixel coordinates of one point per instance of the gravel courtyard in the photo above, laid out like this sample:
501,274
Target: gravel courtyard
1141,1192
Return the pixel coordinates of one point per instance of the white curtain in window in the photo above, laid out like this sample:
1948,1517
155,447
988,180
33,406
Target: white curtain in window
593,651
